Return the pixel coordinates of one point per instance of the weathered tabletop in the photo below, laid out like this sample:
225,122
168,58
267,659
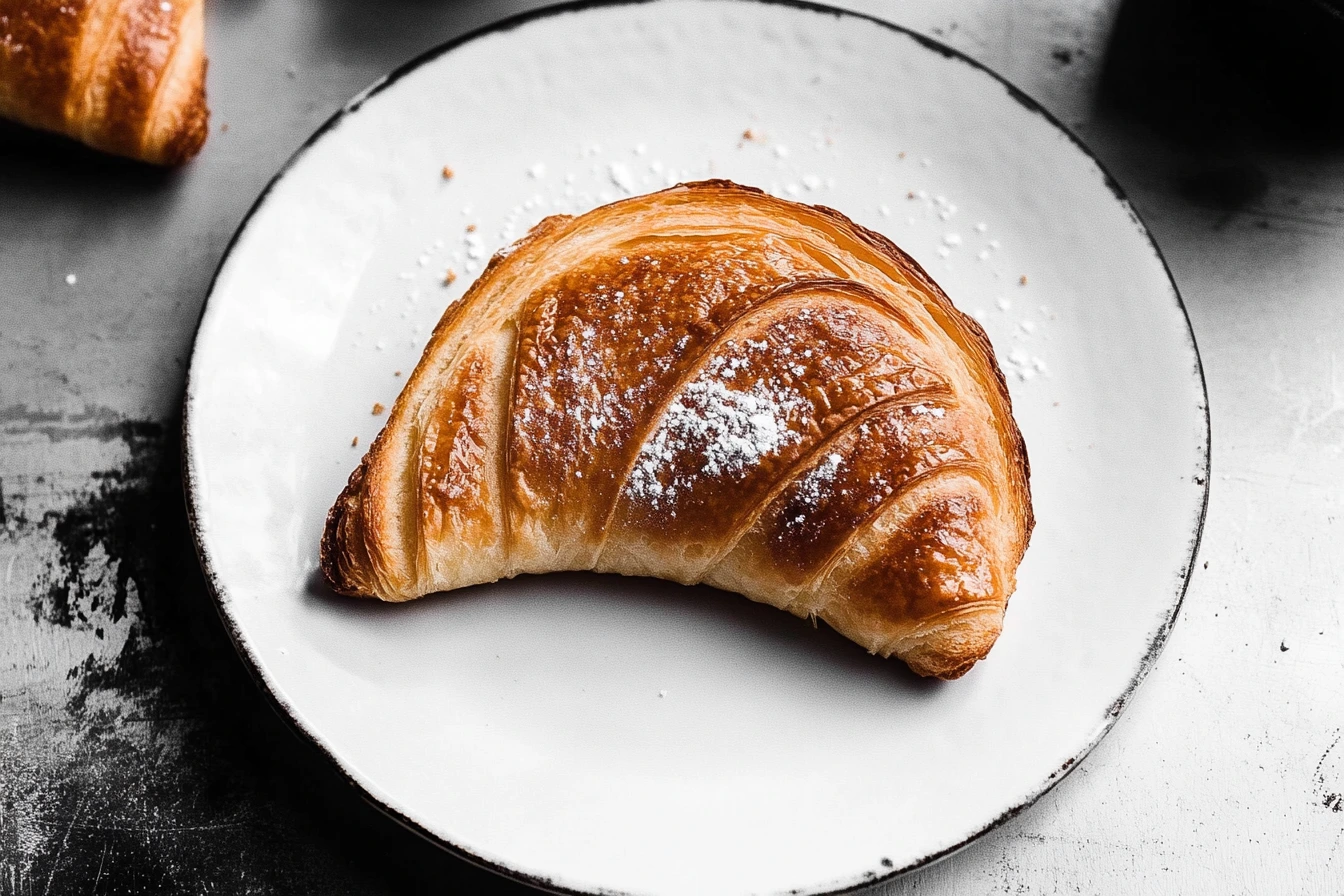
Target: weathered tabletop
135,753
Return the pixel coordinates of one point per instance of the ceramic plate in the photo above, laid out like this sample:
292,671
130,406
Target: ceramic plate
596,734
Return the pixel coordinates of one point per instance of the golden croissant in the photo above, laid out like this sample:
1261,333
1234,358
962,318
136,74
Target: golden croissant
707,384
123,76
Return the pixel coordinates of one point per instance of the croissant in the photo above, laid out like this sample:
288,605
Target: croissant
123,76
706,384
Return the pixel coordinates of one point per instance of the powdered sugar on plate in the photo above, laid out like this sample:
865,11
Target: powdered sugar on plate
591,174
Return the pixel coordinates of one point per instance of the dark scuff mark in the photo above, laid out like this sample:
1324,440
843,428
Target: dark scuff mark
1325,777
101,423
145,760
115,517
1283,647
1062,56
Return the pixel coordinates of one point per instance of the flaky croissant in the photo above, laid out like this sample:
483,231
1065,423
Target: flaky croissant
123,76
707,384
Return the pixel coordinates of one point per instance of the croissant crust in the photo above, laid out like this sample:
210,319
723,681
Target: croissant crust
707,384
123,76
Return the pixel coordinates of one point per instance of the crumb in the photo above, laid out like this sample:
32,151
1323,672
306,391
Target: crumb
354,442
748,134
447,173
378,409
1056,404
396,373
910,195
449,276
662,693
224,128
71,279
900,155
1022,281
471,228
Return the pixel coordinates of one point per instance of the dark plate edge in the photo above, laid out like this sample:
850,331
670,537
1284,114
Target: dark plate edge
1156,642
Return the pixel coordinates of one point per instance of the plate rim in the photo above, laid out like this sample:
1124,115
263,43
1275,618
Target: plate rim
215,587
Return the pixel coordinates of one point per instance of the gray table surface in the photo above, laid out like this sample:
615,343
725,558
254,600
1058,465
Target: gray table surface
136,755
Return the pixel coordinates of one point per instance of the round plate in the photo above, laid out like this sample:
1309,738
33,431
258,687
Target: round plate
599,734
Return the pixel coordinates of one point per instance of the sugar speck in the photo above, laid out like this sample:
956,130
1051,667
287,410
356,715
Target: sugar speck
71,279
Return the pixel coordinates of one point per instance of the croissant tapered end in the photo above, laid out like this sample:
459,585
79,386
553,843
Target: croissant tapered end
344,560
123,76
707,384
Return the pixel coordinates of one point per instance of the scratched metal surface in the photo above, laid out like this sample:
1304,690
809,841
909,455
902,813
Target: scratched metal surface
136,755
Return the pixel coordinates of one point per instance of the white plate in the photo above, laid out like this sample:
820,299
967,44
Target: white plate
605,735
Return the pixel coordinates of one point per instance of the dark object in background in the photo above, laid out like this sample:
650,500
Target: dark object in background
1209,71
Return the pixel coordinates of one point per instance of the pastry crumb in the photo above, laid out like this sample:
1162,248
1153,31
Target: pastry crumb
449,276
224,128
447,173
900,155
748,134
378,408
354,443
396,373
1022,281
471,228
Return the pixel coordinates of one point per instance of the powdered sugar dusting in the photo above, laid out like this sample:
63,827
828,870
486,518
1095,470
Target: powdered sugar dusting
730,429
815,486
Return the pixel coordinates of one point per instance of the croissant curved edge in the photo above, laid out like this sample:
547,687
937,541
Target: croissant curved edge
707,384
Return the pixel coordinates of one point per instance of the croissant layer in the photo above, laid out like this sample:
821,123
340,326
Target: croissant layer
707,384
123,76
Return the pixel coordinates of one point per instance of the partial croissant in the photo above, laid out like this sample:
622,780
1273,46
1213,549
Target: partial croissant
123,76
707,384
